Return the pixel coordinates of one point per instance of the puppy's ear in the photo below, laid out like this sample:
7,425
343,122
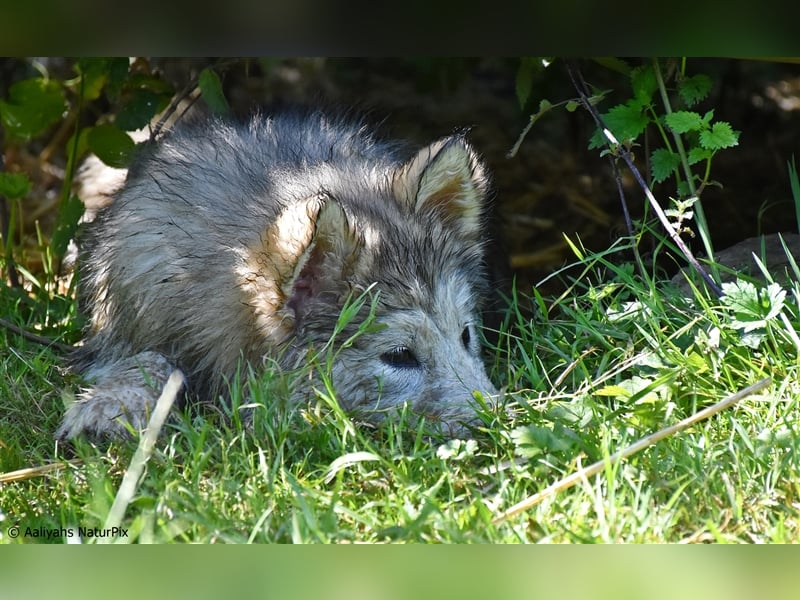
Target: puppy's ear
330,257
307,256
445,180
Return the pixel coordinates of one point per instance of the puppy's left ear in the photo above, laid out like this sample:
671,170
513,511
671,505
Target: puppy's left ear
448,180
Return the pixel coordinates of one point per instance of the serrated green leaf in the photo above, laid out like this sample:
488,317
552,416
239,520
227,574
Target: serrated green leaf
598,140
644,83
14,185
663,164
683,121
683,188
532,440
211,89
33,105
626,122
572,105
721,135
697,155
752,306
693,89
111,145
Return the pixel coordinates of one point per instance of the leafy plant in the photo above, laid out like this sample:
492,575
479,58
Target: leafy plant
90,105
689,140
48,106
695,138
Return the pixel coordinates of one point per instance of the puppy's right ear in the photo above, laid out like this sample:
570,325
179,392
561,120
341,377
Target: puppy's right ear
306,257
330,256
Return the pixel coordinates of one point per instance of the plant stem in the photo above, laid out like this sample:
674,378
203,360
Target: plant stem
581,87
702,224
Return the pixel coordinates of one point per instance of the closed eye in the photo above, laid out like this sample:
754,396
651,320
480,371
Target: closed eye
466,337
400,357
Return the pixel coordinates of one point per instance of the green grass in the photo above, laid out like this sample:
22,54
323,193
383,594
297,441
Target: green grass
613,359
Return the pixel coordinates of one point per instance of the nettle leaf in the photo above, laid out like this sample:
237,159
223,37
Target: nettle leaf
577,412
693,89
598,140
111,145
644,83
533,440
697,155
14,185
673,213
663,164
33,106
457,449
683,121
211,89
642,389
721,135
752,307
626,121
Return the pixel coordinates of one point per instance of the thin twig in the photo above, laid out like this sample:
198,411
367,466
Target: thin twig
146,444
30,472
643,443
186,92
581,87
626,213
39,339
700,216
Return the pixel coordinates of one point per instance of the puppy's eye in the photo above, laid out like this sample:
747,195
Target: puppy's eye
400,357
465,337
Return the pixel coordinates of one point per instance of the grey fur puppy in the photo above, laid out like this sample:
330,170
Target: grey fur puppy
231,243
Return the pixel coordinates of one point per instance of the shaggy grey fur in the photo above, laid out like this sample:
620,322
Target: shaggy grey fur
232,242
